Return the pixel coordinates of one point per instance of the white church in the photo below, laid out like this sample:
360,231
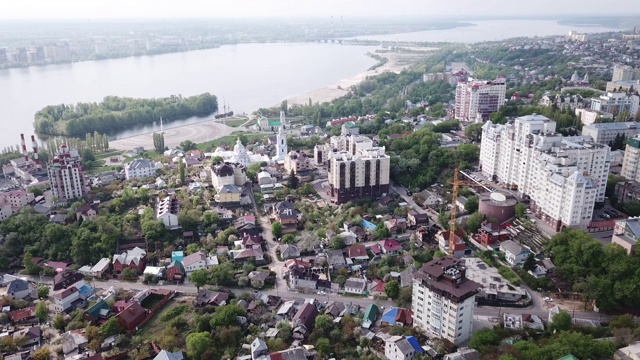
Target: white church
240,155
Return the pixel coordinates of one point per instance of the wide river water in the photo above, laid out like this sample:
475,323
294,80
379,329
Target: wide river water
246,77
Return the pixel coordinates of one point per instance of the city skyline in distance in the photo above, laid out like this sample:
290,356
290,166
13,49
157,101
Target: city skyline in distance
154,9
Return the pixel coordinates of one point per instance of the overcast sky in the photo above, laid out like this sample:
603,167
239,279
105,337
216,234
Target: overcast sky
114,9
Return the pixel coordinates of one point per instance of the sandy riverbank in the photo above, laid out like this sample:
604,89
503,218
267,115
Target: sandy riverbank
198,133
396,63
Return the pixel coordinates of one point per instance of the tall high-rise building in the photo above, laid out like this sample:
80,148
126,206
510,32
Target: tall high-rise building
357,169
443,300
476,100
563,176
66,174
625,73
630,164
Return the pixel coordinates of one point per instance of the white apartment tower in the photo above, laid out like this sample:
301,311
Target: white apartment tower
443,300
617,102
563,176
66,174
631,160
477,100
357,169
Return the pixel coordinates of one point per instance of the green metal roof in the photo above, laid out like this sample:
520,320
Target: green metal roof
95,310
371,313
568,357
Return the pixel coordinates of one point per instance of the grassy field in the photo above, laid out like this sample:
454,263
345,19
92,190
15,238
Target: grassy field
235,122
229,140
154,327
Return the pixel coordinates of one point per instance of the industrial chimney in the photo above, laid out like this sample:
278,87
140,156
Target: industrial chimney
24,148
35,149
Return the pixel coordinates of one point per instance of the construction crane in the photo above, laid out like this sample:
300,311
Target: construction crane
454,209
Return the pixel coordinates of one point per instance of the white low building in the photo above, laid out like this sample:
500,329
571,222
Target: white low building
199,260
63,299
140,168
167,211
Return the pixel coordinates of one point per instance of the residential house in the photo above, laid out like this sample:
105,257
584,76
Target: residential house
139,169
86,292
64,300
259,350
377,286
458,239
357,253
86,212
335,259
175,271
240,256
385,201
631,352
166,355
100,269
73,343
135,259
542,269
461,201
415,218
400,348
295,353
98,312
58,266
198,260
66,278
286,311
131,316
303,280
397,316
177,255
370,315
258,278
286,213
26,315
396,224
18,289
491,233
514,253
429,198
303,321
522,321
167,211
334,309
355,286
32,336
228,194
288,251
390,246
210,298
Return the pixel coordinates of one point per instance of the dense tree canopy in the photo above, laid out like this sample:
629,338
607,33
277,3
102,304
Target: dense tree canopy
117,113
605,274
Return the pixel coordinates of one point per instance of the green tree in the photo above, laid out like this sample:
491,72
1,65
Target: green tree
482,339
293,181
110,327
521,211
324,323
158,142
226,315
42,311
529,263
29,265
253,170
41,354
288,239
471,205
324,347
392,289
631,208
381,232
189,219
188,145
276,229
561,322
43,292
199,278
198,344
474,132
153,230
182,171
58,322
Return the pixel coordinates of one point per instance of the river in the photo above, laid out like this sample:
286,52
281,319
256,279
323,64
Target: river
246,76
490,30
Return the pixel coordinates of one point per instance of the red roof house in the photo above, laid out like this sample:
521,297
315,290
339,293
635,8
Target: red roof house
132,316
390,246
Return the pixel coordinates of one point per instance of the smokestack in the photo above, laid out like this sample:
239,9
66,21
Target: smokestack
24,148
35,149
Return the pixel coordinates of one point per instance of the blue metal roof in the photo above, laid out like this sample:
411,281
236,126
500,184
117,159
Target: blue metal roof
414,344
390,316
368,225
